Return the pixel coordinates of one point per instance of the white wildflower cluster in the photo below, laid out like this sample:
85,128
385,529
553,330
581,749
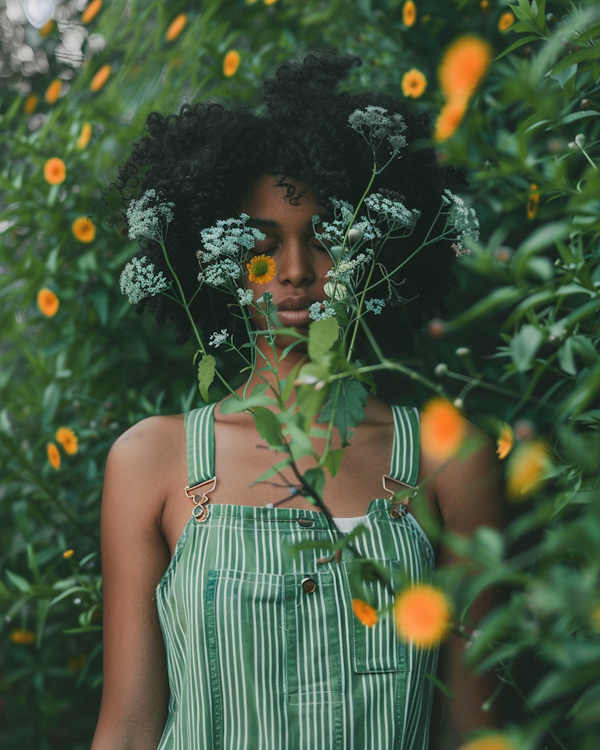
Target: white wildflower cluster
347,267
147,216
463,219
321,310
376,125
225,246
393,212
335,231
216,339
375,305
246,296
139,280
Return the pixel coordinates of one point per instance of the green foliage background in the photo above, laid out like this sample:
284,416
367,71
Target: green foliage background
524,324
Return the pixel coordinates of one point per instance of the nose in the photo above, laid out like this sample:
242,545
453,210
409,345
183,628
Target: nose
295,264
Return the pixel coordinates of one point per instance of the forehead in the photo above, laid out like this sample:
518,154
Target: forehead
280,198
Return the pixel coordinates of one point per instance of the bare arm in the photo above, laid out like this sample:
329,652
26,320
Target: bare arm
134,557
469,496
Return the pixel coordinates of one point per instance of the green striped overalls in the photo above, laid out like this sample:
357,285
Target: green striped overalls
258,659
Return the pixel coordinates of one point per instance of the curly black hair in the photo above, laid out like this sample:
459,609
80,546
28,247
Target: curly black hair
206,158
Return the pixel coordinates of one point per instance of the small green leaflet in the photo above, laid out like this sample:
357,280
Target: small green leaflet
322,335
333,460
268,426
349,407
206,374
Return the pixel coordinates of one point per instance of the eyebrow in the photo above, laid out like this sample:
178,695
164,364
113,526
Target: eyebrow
271,224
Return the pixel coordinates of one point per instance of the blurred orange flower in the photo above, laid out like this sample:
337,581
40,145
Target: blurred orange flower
533,202
449,119
413,83
100,78
22,637
48,302
463,67
91,11
84,136
485,6
527,468
422,615
365,613
68,553
54,171
490,742
506,21
53,455
53,91
270,2
505,441
46,29
30,103
443,428
231,63
409,13
84,229
68,439
176,27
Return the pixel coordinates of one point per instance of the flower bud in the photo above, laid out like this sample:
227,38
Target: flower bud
580,140
436,328
459,403
355,235
463,351
441,370
336,252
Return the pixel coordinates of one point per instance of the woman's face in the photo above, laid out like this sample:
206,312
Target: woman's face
301,261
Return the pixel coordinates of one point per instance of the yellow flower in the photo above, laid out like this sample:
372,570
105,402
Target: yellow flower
22,637
84,229
262,269
84,136
68,553
47,302
68,439
365,612
533,202
485,6
409,13
505,441
100,78
463,67
443,429
413,83
527,468
91,11
449,119
270,2
53,91
490,742
46,29
54,171
30,103
422,615
231,63
176,27
53,455
506,21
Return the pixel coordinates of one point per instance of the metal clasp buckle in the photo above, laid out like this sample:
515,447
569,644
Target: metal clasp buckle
200,511
399,507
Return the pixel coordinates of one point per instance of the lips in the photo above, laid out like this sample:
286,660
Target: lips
293,311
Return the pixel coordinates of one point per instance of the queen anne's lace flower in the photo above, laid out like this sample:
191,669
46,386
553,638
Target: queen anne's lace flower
321,310
225,247
138,280
463,219
216,339
394,212
375,305
345,269
246,296
147,216
375,125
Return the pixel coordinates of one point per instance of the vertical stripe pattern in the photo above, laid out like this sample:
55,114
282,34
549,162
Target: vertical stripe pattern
255,661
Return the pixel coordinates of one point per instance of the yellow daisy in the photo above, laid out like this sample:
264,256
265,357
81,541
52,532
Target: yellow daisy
261,269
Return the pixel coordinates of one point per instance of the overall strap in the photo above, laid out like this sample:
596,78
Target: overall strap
405,453
200,442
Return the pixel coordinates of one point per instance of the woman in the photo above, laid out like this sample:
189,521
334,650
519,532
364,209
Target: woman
215,635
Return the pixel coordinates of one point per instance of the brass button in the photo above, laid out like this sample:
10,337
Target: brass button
304,522
309,585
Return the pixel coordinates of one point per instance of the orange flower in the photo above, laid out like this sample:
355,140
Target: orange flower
91,11
489,742
53,455
449,119
463,66
84,229
54,171
22,637
262,269
443,428
68,553
231,63
365,613
270,2
84,136
505,441
413,83
30,103
176,27
506,21
485,6
409,13
100,78
53,91
527,469
68,439
47,302
46,29
422,615
533,202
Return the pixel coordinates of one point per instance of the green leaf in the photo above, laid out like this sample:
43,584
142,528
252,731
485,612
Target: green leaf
564,75
524,346
268,426
565,358
206,374
322,335
333,461
515,45
21,583
350,399
315,478
548,234
575,57
233,405
273,470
